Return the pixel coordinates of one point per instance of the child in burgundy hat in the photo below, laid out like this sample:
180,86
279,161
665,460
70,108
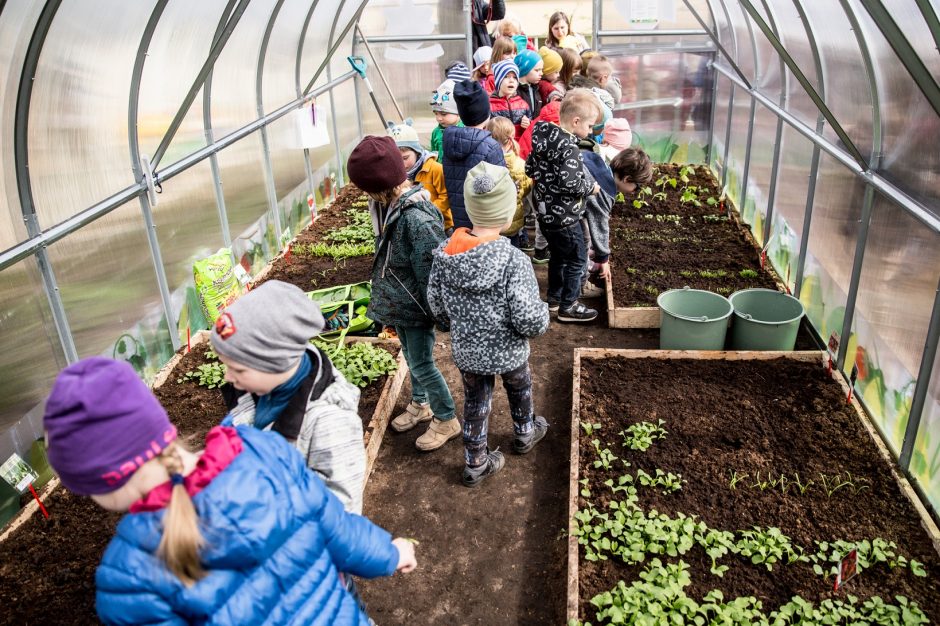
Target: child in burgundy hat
241,533
407,229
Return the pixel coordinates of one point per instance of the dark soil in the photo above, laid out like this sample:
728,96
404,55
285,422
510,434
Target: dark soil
773,417
651,254
496,554
47,567
310,272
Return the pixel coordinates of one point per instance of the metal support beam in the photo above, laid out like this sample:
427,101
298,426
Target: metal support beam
300,50
778,135
214,53
24,96
747,157
924,376
710,148
361,38
133,143
357,94
930,17
727,146
468,28
860,245
807,222
266,164
675,32
876,150
329,76
596,16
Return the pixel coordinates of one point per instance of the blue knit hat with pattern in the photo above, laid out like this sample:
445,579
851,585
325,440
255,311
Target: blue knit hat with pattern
503,69
526,61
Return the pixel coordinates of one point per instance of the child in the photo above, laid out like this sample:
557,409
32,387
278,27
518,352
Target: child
284,384
600,70
481,64
465,147
241,533
503,131
422,167
617,138
586,56
560,31
570,66
631,169
503,50
551,69
488,291
530,75
445,112
511,28
407,229
504,102
561,186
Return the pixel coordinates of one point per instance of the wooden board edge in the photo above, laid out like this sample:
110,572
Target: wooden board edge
164,373
572,588
383,413
628,317
728,355
926,521
30,509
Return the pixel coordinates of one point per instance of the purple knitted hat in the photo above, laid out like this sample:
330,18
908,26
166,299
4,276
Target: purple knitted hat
102,423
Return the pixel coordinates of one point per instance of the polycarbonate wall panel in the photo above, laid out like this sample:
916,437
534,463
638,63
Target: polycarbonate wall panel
316,41
722,26
345,96
78,150
754,211
280,61
619,15
770,81
108,286
233,78
422,77
290,174
740,120
742,46
837,209
16,26
722,111
793,33
925,461
246,199
177,51
32,353
848,94
895,298
415,17
910,126
790,204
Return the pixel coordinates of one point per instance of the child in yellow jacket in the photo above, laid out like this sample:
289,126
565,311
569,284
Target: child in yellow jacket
503,132
422,167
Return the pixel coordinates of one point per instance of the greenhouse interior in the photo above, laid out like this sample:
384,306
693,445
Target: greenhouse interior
742,426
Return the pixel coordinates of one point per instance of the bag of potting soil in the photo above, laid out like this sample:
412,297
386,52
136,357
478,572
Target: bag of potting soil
216,283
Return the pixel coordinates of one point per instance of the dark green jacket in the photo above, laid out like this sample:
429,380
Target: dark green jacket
406,235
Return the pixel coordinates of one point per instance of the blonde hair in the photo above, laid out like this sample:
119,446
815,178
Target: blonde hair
509,20
181,541
503,130
579,103
586,57
386,197
501,47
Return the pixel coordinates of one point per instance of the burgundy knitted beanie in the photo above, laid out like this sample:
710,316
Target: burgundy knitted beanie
375,165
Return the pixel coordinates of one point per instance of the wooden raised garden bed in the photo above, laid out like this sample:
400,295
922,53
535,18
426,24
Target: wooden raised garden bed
300,266
757,459
48,566
667,243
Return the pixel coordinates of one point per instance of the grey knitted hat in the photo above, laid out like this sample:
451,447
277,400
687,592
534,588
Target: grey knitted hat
268,328
489,195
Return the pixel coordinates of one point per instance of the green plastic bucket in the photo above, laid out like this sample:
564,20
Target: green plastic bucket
692,319
764,319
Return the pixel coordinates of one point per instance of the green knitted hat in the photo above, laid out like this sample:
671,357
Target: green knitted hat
489,195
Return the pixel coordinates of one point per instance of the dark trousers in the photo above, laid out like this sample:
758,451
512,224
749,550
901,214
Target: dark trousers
566,264
478,402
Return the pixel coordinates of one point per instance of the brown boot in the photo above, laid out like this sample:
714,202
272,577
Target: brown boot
413,415
438,434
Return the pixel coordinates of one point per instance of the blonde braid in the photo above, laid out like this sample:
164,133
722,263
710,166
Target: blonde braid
181,541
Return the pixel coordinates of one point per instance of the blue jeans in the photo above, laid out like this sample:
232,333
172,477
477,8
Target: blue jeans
427,383
566,264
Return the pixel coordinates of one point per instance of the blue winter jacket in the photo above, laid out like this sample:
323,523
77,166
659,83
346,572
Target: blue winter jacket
464,148
276,539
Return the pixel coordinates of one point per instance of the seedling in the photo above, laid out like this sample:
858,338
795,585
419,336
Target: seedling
685,172
714,218
639,204
748,273
360,363
736,478
760,484
590,428
661,196
640,436
803,487
669,482
832,484
712,201
210,374
584,488
605,458
712,273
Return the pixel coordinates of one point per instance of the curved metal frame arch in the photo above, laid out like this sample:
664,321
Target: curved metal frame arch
133,144
300,51
749,141
329,77
24,184
265,144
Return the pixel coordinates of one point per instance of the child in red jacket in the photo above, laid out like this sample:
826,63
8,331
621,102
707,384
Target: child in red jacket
505,102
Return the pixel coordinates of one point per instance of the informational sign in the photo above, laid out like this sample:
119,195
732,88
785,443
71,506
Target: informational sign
412,20
646,14
18,473
848,568
311,124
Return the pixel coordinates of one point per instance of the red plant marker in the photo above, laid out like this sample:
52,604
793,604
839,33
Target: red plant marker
721,207
36,495
763,258
787,281
852,378
189,345
829,365
287,254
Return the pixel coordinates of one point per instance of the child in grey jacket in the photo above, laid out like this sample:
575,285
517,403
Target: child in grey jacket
487,290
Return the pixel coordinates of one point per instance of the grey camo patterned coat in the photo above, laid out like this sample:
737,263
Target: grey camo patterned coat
491,297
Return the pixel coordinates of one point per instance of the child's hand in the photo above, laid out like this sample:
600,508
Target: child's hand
525,121
596,190
603,270
406,555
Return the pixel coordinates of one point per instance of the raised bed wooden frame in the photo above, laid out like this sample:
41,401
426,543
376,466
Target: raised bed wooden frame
648,316
926,521
372,440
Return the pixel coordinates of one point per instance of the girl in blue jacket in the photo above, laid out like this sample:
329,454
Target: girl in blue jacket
241,533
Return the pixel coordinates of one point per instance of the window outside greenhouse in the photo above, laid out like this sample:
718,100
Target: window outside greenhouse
735,389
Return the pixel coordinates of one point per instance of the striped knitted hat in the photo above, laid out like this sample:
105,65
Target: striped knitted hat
457,71
503,69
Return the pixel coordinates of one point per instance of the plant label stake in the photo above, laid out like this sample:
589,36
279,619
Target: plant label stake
189,345
311,204
848,568
786,283
19,475
833,349
38,501
852,378
287,254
